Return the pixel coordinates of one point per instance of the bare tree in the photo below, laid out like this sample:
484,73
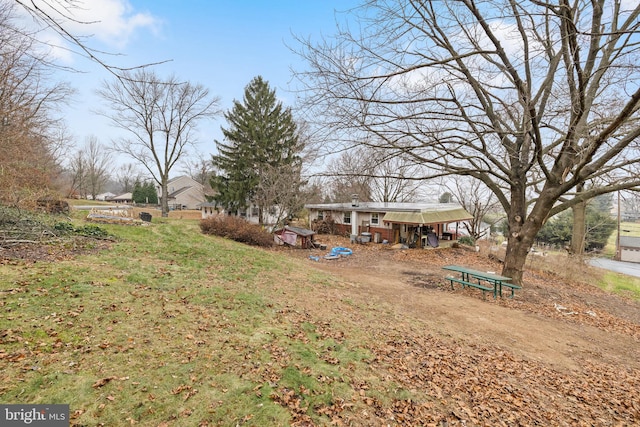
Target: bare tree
29,128
476,199
77,170
97,162
347,175
531,98
630,205
160,116
59,16
89,169
373,175
393,177
199,169
127,176
279,191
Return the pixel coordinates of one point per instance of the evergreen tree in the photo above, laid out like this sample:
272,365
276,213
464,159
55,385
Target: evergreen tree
137,194
144,193
261,137
599,226
151,193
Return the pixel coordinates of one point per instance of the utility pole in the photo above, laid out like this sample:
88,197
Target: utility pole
618,254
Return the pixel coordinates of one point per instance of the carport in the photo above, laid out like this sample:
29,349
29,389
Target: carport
415,228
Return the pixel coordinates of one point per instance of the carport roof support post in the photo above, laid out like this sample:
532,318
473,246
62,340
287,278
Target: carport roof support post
354,223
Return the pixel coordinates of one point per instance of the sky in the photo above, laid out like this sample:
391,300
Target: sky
221,44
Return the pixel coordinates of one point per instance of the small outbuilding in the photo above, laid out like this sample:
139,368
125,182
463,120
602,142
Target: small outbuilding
294,236
629,249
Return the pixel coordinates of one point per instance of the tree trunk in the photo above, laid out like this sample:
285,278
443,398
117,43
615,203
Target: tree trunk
515,258
165,198
523,229
516,251
579,232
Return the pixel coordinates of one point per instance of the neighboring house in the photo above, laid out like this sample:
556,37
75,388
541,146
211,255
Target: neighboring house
251,214
103,196
629,249
184,193
410,223
485,230
209,209
122,198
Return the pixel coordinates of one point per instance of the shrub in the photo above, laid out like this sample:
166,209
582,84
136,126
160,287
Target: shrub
467,240
238,229
87,230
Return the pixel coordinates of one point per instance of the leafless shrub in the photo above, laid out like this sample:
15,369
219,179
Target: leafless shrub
238,229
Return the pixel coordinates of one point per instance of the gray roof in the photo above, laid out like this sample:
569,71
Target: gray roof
305,232
428,216
384,207
629,242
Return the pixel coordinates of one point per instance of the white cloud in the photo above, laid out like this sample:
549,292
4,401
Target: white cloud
112,22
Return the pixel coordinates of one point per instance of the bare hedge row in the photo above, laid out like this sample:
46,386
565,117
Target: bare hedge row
235,228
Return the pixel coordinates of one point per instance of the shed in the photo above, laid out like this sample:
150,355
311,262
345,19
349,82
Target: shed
629,249
294,236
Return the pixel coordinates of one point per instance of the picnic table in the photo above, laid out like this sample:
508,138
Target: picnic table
485,281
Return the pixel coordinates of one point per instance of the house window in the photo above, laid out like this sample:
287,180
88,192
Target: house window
255,211
321,215
347,218
375,219
272,210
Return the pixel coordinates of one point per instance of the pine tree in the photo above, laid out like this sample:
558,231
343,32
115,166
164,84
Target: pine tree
137,195
145,193
261,136
151,194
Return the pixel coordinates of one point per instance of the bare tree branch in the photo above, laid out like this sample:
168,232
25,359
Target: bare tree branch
531,98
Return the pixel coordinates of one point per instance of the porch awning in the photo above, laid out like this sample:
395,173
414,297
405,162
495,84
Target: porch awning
428,216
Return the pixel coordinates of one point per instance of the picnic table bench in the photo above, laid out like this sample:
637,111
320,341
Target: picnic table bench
487,282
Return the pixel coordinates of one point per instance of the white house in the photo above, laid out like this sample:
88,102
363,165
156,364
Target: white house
251,214
103,196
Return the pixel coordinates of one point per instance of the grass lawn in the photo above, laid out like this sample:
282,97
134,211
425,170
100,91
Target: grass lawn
168,327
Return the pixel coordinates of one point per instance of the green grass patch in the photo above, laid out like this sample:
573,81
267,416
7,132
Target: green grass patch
169,327
620,284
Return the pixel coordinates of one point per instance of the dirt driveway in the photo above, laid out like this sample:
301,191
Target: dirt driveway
550,321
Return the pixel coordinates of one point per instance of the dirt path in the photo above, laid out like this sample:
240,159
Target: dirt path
535,326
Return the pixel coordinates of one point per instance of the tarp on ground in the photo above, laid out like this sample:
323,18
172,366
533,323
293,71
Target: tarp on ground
288,237
432,240
435,216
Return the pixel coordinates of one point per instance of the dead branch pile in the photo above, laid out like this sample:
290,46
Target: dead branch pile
324,226
20,227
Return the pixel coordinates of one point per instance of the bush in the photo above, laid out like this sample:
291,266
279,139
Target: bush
87,230
238,229
467,240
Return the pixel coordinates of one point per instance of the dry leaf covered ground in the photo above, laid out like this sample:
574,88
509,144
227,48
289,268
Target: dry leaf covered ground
560,353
